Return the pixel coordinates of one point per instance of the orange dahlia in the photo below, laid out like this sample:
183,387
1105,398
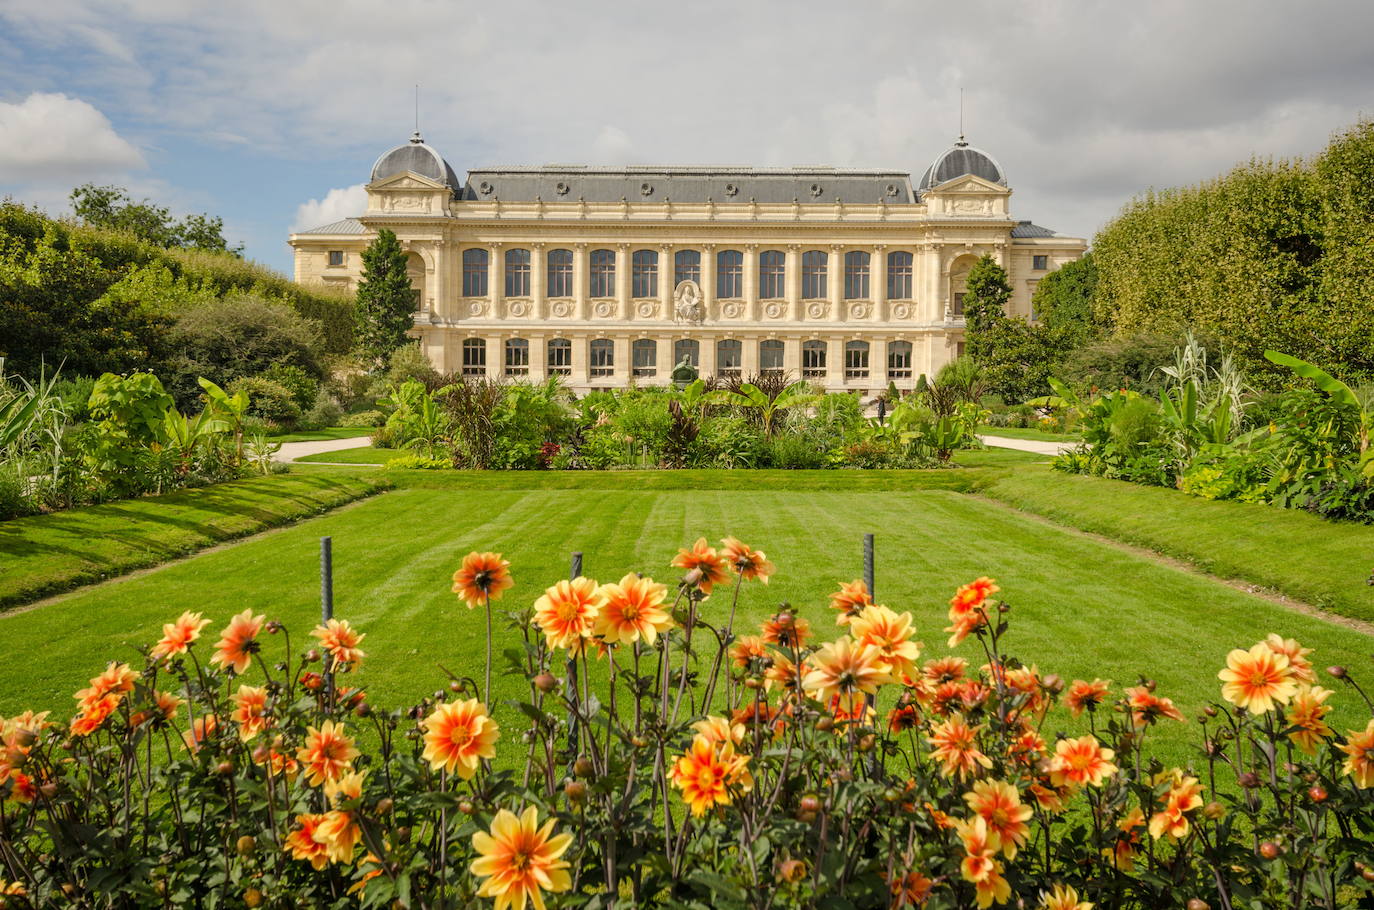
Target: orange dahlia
238,642
716,729
1305,715
1147,707
327,755
712,566
890,633
782,673
481,577
1079,762
566,612
1062,897
1183,796
202,728
707,772
849,600
956,748
519,860
745,649
1359,747
1123,852
1298,664
250,711
338,829
340,641
846,669
979,866
749,563
944,669
787,630
302,844
999,805
903,717
1256,679
177,636
1086,696
632,609
458,735
910,889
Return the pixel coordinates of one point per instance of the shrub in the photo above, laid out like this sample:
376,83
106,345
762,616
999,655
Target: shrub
302,386
420,462
268,400
363,419
324,412
795,453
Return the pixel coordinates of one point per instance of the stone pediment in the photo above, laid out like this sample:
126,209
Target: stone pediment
407,180
968,184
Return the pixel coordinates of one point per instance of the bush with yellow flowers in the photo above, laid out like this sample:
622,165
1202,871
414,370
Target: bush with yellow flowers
681,765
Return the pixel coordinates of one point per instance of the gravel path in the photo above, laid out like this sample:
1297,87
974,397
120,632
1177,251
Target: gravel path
291,451
1028,445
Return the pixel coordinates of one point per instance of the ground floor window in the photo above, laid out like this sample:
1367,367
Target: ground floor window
474,357
770,356
729,357
517,356
899,360
560,357
688,349
959,304
813,359
856,360
602,359
644,357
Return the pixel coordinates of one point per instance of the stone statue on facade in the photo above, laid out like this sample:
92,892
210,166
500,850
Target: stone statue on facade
687,306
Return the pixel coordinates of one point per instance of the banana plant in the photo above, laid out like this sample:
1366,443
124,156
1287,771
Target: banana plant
695,399
751,397
232,408
1342,395
428,427
183,436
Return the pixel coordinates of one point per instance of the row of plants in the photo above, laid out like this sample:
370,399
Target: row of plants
130,439
1208,434
661,757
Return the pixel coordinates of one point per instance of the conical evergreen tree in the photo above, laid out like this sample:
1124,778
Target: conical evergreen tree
985,304
386,300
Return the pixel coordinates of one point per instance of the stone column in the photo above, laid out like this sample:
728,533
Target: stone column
665,281
836,282
539,357
877,283
622,284
751,281
834,360
581,282
877,361
496,281
749,354
791,355
708,281
624,369
579,376
496,355
707,349
539,305
794,284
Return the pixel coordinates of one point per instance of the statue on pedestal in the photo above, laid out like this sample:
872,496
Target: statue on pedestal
684,374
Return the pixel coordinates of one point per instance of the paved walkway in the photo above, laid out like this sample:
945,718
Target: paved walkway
1028,445
292,451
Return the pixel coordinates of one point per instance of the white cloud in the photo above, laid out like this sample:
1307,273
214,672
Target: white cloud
337,204
51,135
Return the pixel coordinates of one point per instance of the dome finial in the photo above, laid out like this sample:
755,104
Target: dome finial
416,139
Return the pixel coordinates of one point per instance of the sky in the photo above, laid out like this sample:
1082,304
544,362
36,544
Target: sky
270,113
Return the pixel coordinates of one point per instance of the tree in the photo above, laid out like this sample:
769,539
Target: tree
985,304
1063,302
386,301
110,207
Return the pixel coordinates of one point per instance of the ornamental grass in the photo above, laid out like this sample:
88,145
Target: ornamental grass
663,758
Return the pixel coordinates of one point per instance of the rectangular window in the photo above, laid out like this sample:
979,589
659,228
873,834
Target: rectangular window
336,258
560,357
474,357
1040,263
603,274
602,351
772,275
856,275
959,304
813,360
517,357
856,360
644,357
686,267
899,276
729,274
560,283
729,357
899,360
770,356
644,274
814,263
474,273
517,273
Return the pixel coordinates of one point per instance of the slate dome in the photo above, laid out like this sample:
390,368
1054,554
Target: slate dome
417,158
963,159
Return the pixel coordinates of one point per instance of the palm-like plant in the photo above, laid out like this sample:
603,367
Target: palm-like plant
233,409
751,398
1360,403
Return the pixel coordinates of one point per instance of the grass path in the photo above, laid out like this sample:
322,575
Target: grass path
1080,608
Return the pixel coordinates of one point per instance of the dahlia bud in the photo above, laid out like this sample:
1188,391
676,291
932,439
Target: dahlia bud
261,754
1214,811
810,803
455,686
252,898
1317,794
1149,685
312,656
693,576
466,807
224,768
583,768
791,871
1249,780
1210,711
1198,903
384,805
246,845
24,738
545,683
867,741
1053,683
575,791
1337,671
273,627
1269,850
825,724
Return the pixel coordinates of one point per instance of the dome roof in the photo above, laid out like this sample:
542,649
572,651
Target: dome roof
960,160
417,158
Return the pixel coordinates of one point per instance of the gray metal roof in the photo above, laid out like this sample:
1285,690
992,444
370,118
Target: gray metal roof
1025,229
347,226
417,158
960,160
568,183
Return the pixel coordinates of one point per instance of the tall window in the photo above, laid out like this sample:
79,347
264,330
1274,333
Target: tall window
813,359
1040,263
772,274
959,304
688,349
770,356
729,357
474,356
814,265
899,360
686,267
517,356
560,356
603,273
560,283
517,273
899,275
644,356
856,275
644,274
474,273
602,356
729,274
856,360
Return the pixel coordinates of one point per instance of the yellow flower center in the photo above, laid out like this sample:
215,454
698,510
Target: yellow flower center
630,613
460,736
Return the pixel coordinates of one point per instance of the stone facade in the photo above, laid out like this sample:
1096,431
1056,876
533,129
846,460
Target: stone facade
850,278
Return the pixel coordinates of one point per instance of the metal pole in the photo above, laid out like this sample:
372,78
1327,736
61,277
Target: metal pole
327,606
574,572
868,566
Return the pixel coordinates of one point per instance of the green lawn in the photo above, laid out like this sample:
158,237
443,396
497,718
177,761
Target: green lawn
322,433
1080,608
46,554
1299,554
1028,433
360,455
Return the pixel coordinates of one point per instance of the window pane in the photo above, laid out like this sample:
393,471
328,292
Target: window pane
602,273
686,267
517,273
1041,263
602,351
560,282
729,274
856,275
772,274
474,273
899,359
813,359
336,257
899,275
644,356
644,274
474,356
814,268
687,348
770,355
856,360
517,356
729,355
959,304
560,356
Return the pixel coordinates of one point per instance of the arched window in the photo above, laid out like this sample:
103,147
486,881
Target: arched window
729,357
644,274
899,360
899,275
517,356
644,356
770,355
474,356
813,359
729,274
517,273
560,357
603,274
686,267
475,272
856,360
688,349
772,274
560,269
814,266
856,275
602,356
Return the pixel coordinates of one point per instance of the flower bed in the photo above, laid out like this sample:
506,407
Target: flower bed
662,760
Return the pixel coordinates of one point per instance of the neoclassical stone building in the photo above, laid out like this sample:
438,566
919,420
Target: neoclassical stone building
608,276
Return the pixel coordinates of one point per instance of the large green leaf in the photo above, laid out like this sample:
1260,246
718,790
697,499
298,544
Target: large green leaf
1320,378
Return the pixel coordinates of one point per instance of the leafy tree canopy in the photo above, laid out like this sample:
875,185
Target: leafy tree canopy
111,208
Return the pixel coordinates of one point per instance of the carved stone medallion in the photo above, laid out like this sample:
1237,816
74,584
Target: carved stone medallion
476,308
773,310
518,308
901,311
603,309
858,311
647,310
562,309
816,310
731,310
